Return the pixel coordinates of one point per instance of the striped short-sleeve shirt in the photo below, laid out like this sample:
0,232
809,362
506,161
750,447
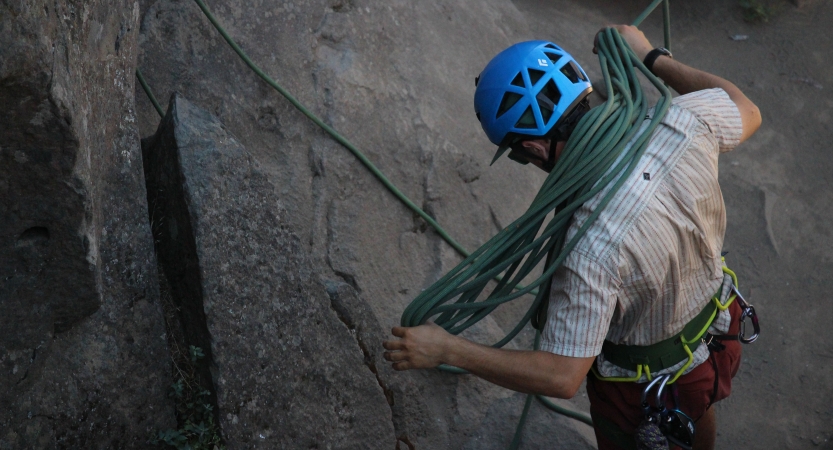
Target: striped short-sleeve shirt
651,261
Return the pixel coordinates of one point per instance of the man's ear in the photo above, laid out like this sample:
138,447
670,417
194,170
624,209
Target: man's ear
538,146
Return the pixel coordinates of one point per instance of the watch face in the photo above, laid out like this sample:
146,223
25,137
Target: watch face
665,51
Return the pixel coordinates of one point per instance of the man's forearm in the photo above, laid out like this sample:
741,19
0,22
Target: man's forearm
531,372
685,79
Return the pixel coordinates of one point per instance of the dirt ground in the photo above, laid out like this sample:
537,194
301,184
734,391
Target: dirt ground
777,188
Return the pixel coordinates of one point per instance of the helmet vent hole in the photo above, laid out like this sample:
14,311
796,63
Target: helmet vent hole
518,80
571,72
535,76
554,57
549,102
552,46
527,119
546,112
507,102
550,90
580,72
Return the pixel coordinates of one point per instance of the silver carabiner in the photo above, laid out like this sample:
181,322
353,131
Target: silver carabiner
660,402
653,413
650,386
747,311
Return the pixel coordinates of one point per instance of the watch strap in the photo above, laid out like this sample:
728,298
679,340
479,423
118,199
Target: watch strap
652,56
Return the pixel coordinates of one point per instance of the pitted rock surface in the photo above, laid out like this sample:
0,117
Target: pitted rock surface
83,358
287,372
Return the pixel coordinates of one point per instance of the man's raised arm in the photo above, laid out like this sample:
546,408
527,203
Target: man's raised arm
685,79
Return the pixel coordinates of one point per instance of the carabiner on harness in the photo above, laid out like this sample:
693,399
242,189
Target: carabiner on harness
747,310
649,435
661,426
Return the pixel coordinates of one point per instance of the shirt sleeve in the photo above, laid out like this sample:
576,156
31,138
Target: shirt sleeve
582,301
718,112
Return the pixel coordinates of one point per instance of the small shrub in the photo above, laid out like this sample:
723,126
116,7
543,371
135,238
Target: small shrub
196,354
197,428
757,11
196,414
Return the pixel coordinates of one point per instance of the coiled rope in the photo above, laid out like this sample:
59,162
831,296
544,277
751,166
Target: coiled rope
596,155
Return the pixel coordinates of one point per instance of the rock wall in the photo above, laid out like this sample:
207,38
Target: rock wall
83,357
396,78
83,360
286,372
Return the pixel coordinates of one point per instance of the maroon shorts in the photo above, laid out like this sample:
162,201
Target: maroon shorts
618,403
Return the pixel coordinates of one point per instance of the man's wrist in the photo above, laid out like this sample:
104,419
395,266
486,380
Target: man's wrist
450,351
653,55
642,52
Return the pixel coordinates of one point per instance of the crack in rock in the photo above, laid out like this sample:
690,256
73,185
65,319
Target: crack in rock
404,439
345,317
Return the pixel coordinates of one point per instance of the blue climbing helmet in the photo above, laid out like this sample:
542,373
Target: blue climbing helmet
527,91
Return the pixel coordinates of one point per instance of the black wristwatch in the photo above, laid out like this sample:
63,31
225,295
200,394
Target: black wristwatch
652,56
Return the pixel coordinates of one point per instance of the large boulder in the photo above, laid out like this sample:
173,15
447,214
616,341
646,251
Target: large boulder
83,358
285,371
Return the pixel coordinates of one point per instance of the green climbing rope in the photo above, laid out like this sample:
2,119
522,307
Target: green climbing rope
149,93
601,153
596,156
335,135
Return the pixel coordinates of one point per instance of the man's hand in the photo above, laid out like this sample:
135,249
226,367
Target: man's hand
633,36
421,347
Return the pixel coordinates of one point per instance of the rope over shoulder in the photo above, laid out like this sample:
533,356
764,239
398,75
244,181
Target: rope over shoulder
597,159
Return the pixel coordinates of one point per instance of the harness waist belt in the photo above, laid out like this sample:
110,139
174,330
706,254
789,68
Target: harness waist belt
663,354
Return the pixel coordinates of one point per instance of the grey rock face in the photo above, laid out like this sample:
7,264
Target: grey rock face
397,79
83,361
286,372
48,236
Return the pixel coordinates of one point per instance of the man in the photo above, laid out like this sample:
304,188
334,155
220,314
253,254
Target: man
644,270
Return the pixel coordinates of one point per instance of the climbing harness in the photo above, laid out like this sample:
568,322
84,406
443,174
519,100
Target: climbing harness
643,360
659,423
602,151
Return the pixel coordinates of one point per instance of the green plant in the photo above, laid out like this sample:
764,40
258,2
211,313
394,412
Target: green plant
196,353
196,414
197,428
757,11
